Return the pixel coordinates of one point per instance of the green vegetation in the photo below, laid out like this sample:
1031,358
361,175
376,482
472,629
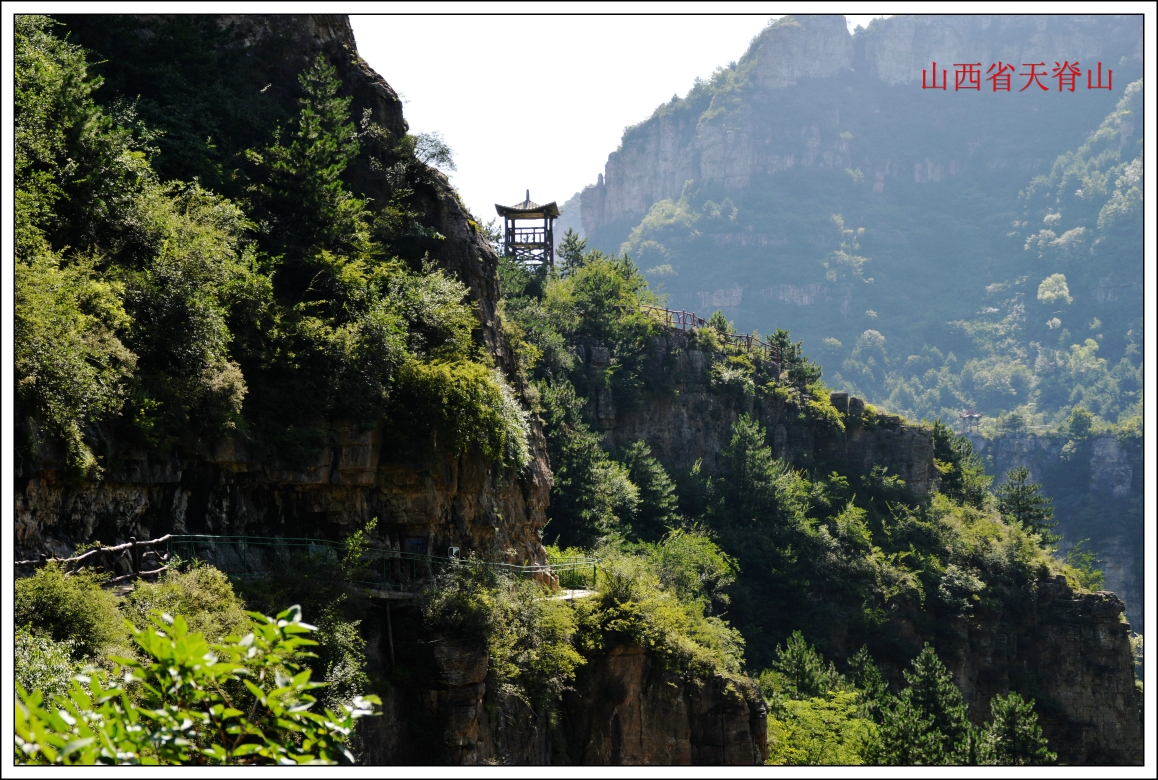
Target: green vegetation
987,286
1021,502
242,701
852,547
818,716
174,290
171,314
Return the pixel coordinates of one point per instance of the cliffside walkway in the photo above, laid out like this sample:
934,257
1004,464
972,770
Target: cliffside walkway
687,320
380,571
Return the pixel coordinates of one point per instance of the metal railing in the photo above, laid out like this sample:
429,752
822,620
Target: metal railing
380,569
686,320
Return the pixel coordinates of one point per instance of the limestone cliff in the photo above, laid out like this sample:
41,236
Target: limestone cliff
1068,651
240,485
622,710
694,422
1096,486
753,130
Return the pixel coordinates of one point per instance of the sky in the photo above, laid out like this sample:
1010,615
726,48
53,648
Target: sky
538,102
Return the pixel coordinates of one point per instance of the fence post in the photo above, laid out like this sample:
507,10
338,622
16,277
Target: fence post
134,556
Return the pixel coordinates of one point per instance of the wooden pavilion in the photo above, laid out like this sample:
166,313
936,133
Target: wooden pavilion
532,244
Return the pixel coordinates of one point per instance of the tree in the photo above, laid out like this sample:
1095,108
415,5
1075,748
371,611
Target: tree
963,475
192,707
1013,736
1022,502
866,677
799,370
753,484
906,736
658,505
934,694
803,670
571,252
1080,423
927,723
304,198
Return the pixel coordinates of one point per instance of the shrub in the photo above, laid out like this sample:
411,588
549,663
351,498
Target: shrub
529,639
201,594
43,664
633,605
69,608
470,405
827,731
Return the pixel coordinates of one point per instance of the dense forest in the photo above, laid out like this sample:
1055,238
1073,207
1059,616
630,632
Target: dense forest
194,262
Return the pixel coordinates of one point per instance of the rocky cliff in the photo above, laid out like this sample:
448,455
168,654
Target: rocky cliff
240,485
753,130
622,710
693,421
1097,489
1070,652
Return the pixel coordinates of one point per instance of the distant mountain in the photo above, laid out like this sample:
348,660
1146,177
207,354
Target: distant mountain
1000,261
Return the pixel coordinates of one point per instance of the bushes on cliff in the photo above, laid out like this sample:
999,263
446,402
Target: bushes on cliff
71,608
640,601
529,639
171,314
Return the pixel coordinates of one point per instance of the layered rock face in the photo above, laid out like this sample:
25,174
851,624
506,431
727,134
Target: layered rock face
695,422
623,710
738,139
240,486
1108,472
1070,652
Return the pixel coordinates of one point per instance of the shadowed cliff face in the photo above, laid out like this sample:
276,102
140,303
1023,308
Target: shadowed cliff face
1097,491
695,424
623,710
243,486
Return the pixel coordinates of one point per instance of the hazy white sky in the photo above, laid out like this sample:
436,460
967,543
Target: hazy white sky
539,102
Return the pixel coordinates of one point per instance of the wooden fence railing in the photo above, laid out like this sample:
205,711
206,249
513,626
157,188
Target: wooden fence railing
686,320
132,558
257,557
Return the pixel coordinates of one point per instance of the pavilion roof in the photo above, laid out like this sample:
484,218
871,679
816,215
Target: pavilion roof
528,209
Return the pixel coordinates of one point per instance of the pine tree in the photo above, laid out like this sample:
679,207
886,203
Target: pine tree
1022,502
907,737
305,199
927,723
658,504
866,677
803,669
571,251
1013,738
934,694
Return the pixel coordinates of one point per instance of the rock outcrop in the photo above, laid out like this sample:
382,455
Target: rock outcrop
623,710
241,486
1104,469
1068,651
694,422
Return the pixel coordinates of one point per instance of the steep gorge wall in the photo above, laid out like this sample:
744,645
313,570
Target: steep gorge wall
1103,470
242,486
741,135
693,422
1068,651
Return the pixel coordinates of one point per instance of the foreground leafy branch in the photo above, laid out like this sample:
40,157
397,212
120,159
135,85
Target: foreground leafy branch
244,701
